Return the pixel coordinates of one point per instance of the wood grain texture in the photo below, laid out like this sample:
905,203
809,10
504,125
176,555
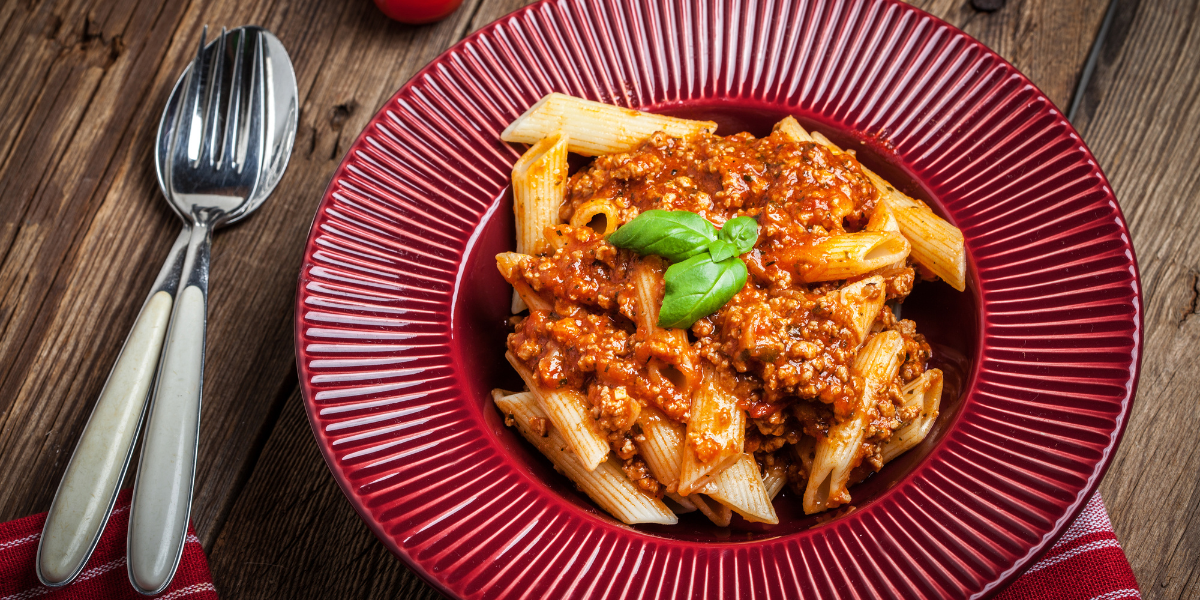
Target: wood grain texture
83,229
1139,117
292,534
75,180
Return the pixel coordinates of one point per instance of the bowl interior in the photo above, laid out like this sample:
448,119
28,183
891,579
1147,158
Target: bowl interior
948,319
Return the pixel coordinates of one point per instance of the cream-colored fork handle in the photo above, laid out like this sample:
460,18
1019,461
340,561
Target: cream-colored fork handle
87,488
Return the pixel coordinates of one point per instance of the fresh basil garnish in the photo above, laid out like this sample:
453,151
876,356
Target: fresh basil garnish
720,250
706,272
741,232
698,287
675,235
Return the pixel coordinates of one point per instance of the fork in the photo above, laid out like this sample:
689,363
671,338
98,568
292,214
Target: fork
216,164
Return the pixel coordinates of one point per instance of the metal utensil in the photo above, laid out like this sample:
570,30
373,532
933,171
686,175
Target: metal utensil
89,487
230,137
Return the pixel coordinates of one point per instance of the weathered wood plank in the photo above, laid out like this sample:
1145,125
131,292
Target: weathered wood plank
1139,116
67,289
292,534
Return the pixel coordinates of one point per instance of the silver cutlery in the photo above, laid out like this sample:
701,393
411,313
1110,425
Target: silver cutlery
89,487
230,138
263,121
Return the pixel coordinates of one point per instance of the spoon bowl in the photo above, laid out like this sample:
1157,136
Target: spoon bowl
281,104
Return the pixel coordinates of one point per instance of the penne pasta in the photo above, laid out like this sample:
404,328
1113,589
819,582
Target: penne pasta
741,488
685,504
936,244
556,238
518,303
647,283
806,451
851,255
715,433
836,453
863,300
774,478
600,215
883,219
539,180
819,138
508,264
925,392
661,445
792,129
570,414
647,279
606,484
716,512
781,282
596,128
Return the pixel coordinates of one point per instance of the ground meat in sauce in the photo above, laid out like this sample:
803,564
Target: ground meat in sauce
787,344
589,341
637,472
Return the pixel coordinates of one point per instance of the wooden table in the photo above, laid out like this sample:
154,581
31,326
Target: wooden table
83,230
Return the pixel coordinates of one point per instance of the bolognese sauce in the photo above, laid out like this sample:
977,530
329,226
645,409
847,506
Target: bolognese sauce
786,344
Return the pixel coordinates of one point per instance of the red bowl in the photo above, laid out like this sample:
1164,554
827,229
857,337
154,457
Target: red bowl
400,311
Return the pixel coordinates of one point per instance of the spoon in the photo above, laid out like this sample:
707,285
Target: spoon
228,144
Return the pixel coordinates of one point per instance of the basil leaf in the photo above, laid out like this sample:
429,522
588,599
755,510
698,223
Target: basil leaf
720,250
675,235
741,232
698,287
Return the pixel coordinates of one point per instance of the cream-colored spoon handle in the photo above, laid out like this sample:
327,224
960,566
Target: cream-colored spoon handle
89,487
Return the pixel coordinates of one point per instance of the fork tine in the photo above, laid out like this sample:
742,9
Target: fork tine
233,114
256,115
185,117
212,104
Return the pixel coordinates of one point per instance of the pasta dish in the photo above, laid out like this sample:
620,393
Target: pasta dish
702,320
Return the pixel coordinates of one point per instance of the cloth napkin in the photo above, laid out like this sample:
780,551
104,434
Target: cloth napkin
104,576
1087,563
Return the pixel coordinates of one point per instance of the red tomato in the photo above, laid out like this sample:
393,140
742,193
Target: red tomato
416,12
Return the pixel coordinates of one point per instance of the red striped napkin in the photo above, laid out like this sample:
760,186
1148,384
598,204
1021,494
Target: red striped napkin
1087,563
104,575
